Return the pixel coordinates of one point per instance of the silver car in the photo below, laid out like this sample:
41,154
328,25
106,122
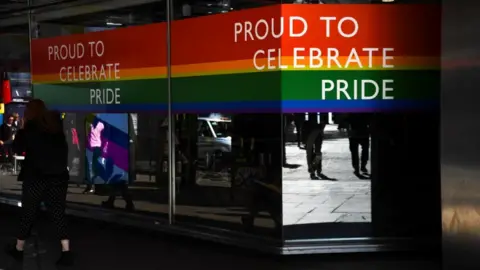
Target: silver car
214,141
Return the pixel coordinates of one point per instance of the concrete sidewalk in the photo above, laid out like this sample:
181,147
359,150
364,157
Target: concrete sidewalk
308,201
305,201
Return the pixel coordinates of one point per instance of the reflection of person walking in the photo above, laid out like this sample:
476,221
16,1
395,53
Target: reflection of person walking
359,135
95,141
314,145
299,119
74,150
314,152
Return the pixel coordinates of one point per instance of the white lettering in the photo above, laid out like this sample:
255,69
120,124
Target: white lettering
316,55
332,56
386,88
327,86
366,89
271,58
50,53
342,88
264,25
99,49
63,52
292,26
91,43
105,72
327,24
280,32
387,57
280,64
353,58
237,30
297,57
62,74
92,95
341,30
255,63
105,96
248,31
269,27
66,51
370,55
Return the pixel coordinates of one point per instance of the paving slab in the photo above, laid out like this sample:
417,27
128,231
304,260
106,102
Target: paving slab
355,204
345,200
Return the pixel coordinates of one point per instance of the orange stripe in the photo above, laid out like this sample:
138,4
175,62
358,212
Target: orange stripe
137,73
247,65
213,67
377,62
243,66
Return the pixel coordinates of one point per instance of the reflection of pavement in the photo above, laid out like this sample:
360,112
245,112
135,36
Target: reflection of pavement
308,201
213,179
100,247
149,199
305,201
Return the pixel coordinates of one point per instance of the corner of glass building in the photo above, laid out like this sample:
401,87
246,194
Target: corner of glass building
270,125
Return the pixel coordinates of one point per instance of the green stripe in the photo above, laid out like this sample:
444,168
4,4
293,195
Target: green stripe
262,86
411,84
244,87
132,92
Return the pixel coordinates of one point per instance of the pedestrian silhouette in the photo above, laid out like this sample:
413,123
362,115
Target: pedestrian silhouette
359,136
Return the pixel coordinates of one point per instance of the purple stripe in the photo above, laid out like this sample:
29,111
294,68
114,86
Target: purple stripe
355,110
337,110
296,110
119,155
231,110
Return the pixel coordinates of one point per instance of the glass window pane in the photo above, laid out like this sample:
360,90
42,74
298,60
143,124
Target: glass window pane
229,140
349,148
326,182
105,67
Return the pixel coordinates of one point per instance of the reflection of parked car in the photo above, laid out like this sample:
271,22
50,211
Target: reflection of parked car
214,140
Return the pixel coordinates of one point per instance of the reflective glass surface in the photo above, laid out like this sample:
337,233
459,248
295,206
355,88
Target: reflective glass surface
85,66
327,172
243,160
228,150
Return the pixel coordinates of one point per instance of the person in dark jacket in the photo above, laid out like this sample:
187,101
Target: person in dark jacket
7,134
359,136
16,119
315,130
18,145
44,175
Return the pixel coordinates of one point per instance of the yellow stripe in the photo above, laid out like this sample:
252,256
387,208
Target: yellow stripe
247,66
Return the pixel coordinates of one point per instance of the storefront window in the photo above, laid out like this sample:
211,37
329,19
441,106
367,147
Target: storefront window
106,70
14,90
246,116
228,153
349,127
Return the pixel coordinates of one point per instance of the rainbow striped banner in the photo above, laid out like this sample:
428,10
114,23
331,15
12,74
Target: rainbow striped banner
239,62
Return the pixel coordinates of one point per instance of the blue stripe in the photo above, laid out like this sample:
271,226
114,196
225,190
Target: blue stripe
262,106
117,108
119,121
114,134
